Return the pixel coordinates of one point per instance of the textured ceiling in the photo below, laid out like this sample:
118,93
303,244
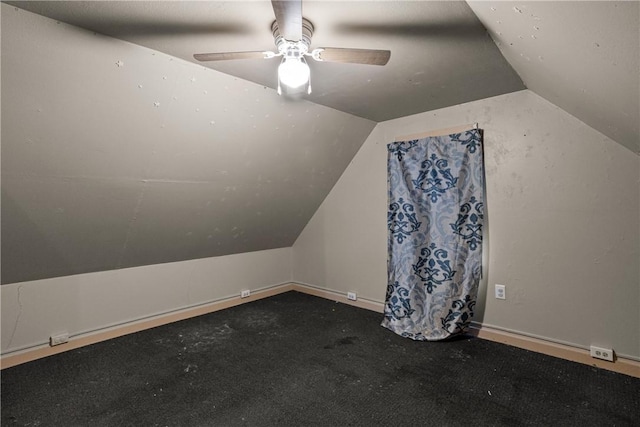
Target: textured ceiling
441,55
115,156
582,56
124,153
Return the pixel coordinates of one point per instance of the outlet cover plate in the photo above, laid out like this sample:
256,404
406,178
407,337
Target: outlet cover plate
602,353
501,292
352,296
58,339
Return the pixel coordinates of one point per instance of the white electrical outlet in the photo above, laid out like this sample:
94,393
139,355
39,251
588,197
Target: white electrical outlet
352,296
58,339
501,292
602,353
246,293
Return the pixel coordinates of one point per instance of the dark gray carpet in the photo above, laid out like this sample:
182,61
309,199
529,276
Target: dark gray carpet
296,360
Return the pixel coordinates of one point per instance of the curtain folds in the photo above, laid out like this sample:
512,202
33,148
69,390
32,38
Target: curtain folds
435,219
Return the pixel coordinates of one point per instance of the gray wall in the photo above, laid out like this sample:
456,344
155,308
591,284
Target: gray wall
203,194
93,302
563,219
96,179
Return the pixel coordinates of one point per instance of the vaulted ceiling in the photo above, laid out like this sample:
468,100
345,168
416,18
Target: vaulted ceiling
436,46
117,154
583,56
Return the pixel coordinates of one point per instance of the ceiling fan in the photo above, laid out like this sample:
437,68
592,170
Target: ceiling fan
292,35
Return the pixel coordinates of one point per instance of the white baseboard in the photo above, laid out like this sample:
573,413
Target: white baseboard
563,351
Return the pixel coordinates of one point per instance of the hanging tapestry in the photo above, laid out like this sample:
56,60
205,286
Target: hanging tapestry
435,219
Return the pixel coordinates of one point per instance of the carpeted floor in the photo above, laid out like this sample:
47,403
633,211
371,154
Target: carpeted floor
297,360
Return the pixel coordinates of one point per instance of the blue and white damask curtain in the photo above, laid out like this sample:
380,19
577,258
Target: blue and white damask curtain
435,219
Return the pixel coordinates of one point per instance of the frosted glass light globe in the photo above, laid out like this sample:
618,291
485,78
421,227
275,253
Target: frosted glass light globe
293,72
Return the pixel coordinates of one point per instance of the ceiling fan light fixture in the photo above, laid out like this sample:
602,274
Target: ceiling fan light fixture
292,35
293,72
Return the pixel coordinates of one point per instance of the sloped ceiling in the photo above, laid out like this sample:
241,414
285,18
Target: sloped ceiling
120,154
582,56
441,53
114,155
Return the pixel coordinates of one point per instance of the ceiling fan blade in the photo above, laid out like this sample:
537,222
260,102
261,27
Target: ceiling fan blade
289,18
354,56
225,56
457,29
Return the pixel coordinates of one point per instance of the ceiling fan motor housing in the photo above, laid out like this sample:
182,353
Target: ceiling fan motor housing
293,48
